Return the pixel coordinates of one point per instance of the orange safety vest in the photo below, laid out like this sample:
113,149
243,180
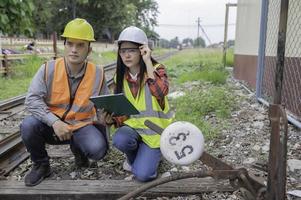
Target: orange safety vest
78,111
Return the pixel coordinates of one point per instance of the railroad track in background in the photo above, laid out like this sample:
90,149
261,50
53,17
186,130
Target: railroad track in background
12,150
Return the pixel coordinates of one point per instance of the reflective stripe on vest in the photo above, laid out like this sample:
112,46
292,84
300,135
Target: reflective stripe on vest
82,111
149,109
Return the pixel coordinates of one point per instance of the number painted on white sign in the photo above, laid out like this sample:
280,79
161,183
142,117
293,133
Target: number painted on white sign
182,143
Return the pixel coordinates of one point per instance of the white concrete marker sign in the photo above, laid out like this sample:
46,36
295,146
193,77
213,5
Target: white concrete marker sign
182,143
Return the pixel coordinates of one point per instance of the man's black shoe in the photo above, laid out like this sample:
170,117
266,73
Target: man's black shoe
81,161
37,174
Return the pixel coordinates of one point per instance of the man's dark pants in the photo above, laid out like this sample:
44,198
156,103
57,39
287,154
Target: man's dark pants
89,141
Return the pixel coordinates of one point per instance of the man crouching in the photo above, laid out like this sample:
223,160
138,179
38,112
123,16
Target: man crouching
58,100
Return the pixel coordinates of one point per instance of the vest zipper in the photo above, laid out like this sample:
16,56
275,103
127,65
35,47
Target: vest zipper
72,97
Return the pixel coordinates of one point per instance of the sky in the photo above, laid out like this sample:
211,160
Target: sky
178,18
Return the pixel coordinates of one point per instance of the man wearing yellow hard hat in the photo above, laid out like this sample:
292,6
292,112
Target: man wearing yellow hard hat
58,101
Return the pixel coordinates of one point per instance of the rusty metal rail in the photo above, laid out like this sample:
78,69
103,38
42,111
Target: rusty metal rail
12,102
278,153
12,153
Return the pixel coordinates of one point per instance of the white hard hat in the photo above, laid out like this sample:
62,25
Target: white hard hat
182,143
133,34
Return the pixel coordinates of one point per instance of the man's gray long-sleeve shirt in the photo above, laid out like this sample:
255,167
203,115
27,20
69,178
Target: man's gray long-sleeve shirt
37,93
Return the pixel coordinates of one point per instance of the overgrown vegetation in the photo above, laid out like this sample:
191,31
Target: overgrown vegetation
207,101
201,104
230,57
103,58
19,78
22,72
214,76
27,68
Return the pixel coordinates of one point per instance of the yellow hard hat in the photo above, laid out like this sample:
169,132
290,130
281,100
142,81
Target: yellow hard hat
79,29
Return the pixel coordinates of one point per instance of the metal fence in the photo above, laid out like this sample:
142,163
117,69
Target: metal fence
291,88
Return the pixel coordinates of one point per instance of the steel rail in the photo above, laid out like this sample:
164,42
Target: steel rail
12,102
12,153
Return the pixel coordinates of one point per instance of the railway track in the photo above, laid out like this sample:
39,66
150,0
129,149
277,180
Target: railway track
203,180
13,152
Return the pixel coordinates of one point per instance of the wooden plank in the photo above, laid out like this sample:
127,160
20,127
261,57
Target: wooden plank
105,189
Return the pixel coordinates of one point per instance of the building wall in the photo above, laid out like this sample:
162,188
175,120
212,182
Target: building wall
247,40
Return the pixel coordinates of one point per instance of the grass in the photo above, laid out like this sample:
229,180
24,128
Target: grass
18,81
202,103
27,68
22,72
13,87
213,76
207,99
103,58
230,57
191,65
160,51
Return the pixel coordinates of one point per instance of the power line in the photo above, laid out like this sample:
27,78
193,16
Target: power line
205,34
190,25
203,30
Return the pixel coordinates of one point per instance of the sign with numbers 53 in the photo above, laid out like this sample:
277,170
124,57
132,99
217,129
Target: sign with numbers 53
182,143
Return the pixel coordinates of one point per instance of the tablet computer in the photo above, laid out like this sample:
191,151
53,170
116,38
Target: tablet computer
115,103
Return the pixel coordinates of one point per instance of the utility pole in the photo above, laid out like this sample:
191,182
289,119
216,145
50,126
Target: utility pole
202,29
197,39
226,31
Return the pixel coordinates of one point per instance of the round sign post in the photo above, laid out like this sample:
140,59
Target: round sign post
182,143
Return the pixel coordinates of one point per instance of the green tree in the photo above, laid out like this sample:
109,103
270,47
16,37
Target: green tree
164,43
174,42
108,17
16,17
146,12
187,41
42,20
230,43
199,42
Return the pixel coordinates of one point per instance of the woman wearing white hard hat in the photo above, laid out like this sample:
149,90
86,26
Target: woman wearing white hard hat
144,82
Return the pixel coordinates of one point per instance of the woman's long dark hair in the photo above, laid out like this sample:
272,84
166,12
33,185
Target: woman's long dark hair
120,70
